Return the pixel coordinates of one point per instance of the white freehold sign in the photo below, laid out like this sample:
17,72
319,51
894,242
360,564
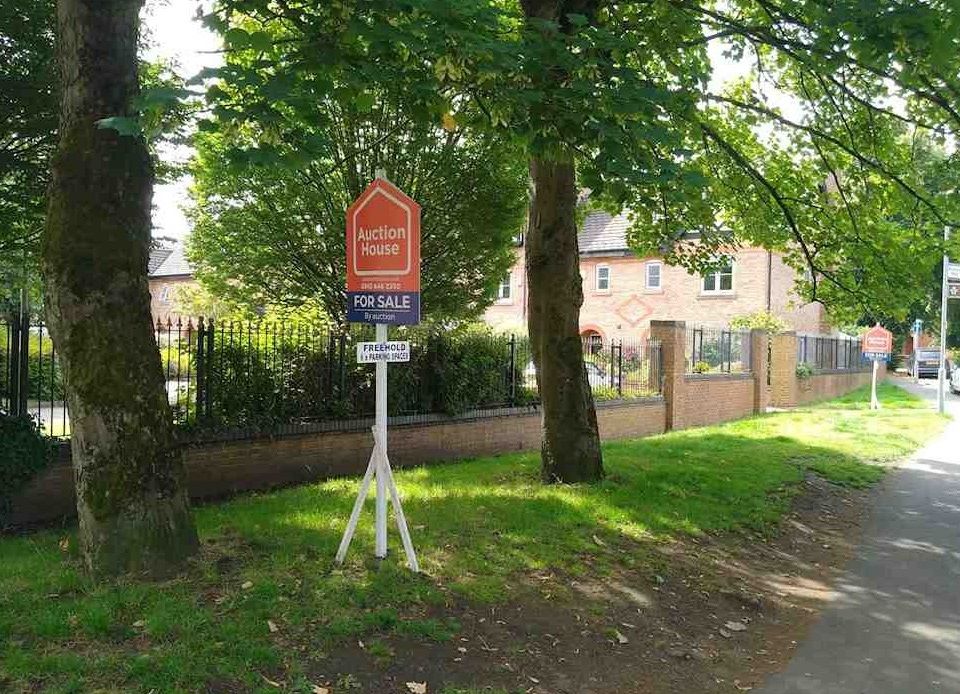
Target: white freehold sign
372,352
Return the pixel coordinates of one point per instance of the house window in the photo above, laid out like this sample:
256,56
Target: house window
603,278
653,275
503,291
719,281
165,294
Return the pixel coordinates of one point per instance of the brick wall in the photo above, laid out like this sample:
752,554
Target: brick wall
832,384
699,399
786,390
221,469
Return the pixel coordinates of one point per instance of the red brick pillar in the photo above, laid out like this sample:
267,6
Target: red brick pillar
672,336
759,365
783,370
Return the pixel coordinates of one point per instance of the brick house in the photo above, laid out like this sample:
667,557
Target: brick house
622,292
168,272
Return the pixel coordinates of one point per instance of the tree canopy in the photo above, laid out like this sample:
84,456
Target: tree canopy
28,129
636,104
28,132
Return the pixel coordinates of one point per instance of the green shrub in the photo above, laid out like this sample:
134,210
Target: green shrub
24,452
701,367
762,320
804,371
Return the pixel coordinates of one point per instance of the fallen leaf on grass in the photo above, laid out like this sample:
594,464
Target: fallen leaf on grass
417,687
65,544
247,585
272,626
317,689
735,626
269,681
599,541
621,639
139,624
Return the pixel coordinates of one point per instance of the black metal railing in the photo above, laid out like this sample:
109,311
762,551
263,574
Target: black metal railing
31,383
824,353
280,377
717,350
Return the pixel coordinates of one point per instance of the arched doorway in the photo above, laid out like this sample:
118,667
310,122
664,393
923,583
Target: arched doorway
592,341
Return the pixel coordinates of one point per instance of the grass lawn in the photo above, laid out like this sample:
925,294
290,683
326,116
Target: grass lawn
265,602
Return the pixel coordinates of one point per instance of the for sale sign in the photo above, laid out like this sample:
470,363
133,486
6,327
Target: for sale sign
877,342
383,256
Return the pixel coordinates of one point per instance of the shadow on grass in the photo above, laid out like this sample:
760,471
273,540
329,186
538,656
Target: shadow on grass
475,523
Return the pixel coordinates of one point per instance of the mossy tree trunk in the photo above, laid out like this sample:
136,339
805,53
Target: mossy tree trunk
570,446
133,509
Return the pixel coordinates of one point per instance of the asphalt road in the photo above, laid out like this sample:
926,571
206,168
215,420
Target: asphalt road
893,626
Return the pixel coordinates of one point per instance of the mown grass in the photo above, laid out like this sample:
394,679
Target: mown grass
477,525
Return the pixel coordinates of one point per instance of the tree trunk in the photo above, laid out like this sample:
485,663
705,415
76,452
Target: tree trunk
133,509
570,449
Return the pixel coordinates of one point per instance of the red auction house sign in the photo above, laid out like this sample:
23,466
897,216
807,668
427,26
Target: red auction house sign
877,342
383,256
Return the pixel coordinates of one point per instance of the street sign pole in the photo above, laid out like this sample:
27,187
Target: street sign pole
914,368
874,402
942,370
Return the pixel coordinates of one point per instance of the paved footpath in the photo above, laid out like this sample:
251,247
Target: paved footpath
893,626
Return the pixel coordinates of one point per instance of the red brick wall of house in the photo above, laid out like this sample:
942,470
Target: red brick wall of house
626,309
161,309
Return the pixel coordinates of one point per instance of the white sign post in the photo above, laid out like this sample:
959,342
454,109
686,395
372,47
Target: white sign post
379,468
874,403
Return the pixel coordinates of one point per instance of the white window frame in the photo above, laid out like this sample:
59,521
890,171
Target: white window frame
646,276
507,282
716,274
596,280
165,294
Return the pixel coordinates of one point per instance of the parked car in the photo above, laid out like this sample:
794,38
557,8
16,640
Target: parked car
595,375
928,363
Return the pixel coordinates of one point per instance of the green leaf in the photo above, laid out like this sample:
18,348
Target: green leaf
364,101
236,38
260,41
122,124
